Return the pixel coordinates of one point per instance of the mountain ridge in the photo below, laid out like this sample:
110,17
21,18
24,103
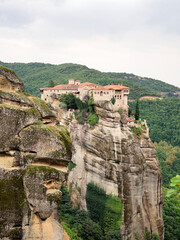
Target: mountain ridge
36,75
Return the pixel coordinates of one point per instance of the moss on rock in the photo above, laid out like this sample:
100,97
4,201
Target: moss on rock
42,170
12,193
42,107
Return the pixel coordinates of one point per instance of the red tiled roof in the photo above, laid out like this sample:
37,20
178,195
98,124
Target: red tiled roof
75,87
64,87
88,84
111,87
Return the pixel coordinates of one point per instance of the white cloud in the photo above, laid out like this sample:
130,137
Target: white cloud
136,36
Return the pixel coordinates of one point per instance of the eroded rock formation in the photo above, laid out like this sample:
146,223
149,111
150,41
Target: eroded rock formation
34,153
122,163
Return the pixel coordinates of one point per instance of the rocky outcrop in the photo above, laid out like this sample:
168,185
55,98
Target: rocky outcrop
9,80
34,154
122,163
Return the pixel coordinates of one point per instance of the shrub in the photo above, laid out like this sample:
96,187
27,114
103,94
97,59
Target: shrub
71,165
93,119
96,200
69,99
63,106
90,230
73,235
112,213
138,131
91,104
113,100
80,104
115,235
82,116
104,209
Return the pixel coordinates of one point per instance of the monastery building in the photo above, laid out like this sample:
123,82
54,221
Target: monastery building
81,90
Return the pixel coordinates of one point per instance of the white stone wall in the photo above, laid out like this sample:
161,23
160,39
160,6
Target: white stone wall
47,93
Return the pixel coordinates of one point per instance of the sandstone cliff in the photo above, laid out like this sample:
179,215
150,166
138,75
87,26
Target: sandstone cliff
34,153
111,156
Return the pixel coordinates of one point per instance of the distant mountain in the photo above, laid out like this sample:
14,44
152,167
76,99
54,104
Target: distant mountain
38,75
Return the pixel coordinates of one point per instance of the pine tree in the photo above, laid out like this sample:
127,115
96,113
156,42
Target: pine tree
51,83
137,110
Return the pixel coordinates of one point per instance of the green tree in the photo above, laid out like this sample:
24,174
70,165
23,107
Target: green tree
114,235
51,83
113,100
137,110
175,184
69,99
171,217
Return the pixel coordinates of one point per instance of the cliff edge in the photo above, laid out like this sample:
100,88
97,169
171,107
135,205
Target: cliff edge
121,162
34,154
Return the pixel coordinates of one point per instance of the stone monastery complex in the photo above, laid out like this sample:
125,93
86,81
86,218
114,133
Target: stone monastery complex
81,90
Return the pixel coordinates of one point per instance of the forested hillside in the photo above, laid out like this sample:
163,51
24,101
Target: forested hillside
38,75
169,159
163,118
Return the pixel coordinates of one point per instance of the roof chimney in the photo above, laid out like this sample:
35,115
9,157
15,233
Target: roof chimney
71,81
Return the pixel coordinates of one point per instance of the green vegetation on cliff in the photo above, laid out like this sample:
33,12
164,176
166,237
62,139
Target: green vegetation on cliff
85,112
38,75
80,225
104,209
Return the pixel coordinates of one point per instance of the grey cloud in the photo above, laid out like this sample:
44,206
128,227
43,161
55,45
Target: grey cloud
91,18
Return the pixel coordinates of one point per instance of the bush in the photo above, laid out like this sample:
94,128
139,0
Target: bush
63,106
112,214
96,200
69,99
93,119
115,235
73,235
71,165
82,116
138,131
80,104
91,104
104,209
113,100
90,230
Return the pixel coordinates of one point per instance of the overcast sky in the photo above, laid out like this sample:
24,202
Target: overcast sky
133,36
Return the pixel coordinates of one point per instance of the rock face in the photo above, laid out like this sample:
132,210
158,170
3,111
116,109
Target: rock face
122,163
34,153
